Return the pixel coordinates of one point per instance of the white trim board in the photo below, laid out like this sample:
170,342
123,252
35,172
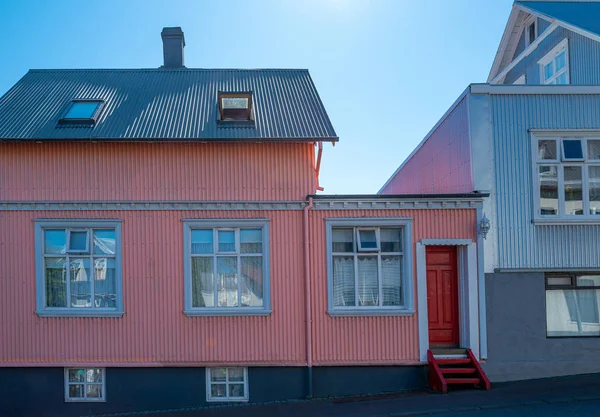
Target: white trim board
467,288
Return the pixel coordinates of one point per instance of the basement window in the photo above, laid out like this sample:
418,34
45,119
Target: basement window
81,112
235,107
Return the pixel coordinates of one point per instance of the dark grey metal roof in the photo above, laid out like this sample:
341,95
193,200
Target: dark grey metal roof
162,104
583,14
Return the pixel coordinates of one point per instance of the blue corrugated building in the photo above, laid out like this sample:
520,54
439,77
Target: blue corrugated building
533,139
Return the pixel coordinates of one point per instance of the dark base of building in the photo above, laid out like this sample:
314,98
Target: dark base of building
518,345
40,391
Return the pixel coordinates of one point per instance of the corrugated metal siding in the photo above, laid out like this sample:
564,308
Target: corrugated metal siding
582,14
584,59
443,163
373,340
164,104
154,329
158,171
522,244
155,332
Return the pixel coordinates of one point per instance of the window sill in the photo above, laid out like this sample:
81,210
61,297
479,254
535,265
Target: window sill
563,221
75,314
371,312
239,312
224,400
85,400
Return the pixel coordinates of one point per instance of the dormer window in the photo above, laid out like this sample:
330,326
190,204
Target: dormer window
235,106
531,31
81,112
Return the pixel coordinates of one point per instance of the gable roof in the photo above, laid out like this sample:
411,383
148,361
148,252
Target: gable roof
165,105
582,16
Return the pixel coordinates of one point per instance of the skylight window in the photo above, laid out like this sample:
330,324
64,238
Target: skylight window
235,106
81,112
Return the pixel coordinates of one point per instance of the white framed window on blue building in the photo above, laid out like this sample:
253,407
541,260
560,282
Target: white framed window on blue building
227,267
78,268
566,176
554,66
369,267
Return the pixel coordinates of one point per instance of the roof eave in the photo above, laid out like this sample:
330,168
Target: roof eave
514,14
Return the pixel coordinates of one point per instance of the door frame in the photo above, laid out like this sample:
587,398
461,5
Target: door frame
468,298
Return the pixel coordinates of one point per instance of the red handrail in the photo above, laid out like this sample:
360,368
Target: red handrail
435,374
482,376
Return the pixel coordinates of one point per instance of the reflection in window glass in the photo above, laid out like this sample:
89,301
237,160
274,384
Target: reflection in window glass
594,189
572,149
573,190
548,190
547,149
593,149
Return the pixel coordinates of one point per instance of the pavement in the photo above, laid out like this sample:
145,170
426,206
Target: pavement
562,396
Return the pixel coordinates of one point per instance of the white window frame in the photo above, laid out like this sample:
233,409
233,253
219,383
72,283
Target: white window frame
407,307
84,399
522,80
209,383
359,241
560,163
233,224
551,56
531,20
40,256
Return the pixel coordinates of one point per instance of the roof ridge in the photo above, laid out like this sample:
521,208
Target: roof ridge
164,69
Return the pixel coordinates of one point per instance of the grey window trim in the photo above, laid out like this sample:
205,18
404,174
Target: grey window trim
41,309
188,225
84,399
227,399
407,309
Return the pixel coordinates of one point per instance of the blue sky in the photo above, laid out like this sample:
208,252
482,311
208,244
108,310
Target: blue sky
386,70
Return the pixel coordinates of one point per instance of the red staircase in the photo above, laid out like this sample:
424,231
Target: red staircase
464,371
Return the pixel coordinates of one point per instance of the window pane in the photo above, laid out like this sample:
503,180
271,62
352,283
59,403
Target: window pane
547,149
548,190
55,241
572,312
234,102
593,149
105,283
572,149
94,391
82,110
573,191
56,282
561,60
81,286
368,239
203,286
252,281
368,282
226,241
562,79
548,71
391,240
594,186
227,285
78,241
218,390
218,374
94,375
559,281
76,375
391,269
343,281
236,390
202,241
343,240
588,281
104,242
236,374
76,391
250,240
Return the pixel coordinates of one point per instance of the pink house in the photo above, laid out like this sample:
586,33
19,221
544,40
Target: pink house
162,246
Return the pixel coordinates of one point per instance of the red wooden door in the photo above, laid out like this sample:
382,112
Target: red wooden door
442,295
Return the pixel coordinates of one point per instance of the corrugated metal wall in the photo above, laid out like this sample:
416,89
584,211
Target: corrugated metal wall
584,59
374,340
158,171
443,163
155,332
522,244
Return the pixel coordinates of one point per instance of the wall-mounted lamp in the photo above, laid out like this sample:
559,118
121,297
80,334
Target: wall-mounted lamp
484,226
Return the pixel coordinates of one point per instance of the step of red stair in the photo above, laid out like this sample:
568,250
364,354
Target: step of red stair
458,370
451,381
452,361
